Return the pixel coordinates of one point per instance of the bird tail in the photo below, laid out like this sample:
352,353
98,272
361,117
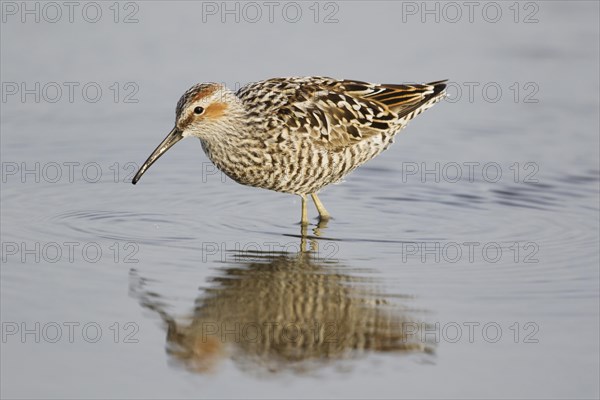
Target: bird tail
437,92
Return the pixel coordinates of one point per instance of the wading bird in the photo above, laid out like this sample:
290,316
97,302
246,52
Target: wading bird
295,135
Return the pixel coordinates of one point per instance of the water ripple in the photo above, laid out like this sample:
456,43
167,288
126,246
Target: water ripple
124,225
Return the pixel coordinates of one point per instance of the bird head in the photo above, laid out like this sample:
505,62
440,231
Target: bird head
204,111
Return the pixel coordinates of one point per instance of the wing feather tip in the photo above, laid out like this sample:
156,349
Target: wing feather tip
438,86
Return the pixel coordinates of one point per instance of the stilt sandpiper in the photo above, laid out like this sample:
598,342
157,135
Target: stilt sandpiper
295,135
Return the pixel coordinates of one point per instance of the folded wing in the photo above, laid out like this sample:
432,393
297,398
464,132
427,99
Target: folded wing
337,113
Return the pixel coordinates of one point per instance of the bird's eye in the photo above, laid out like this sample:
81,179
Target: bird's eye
198,110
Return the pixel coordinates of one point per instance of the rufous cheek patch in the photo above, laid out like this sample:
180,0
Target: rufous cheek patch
215,110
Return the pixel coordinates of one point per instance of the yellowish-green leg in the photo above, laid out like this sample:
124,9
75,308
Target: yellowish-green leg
323,214
304,220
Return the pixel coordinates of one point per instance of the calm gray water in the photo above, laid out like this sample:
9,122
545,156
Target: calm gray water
462,262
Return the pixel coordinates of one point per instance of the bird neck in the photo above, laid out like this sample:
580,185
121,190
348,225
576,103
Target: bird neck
232,147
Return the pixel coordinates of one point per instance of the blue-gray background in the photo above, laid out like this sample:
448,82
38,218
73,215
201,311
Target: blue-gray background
542,56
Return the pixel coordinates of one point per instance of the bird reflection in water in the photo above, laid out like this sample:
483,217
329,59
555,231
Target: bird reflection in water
287,311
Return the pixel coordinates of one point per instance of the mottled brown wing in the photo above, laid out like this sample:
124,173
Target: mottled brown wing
401,99
337,113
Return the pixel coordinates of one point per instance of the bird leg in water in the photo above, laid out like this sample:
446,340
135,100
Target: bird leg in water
304,220
323,214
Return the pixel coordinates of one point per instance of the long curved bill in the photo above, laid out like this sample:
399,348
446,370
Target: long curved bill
173,137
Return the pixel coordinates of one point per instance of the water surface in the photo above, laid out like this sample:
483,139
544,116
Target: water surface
462,262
